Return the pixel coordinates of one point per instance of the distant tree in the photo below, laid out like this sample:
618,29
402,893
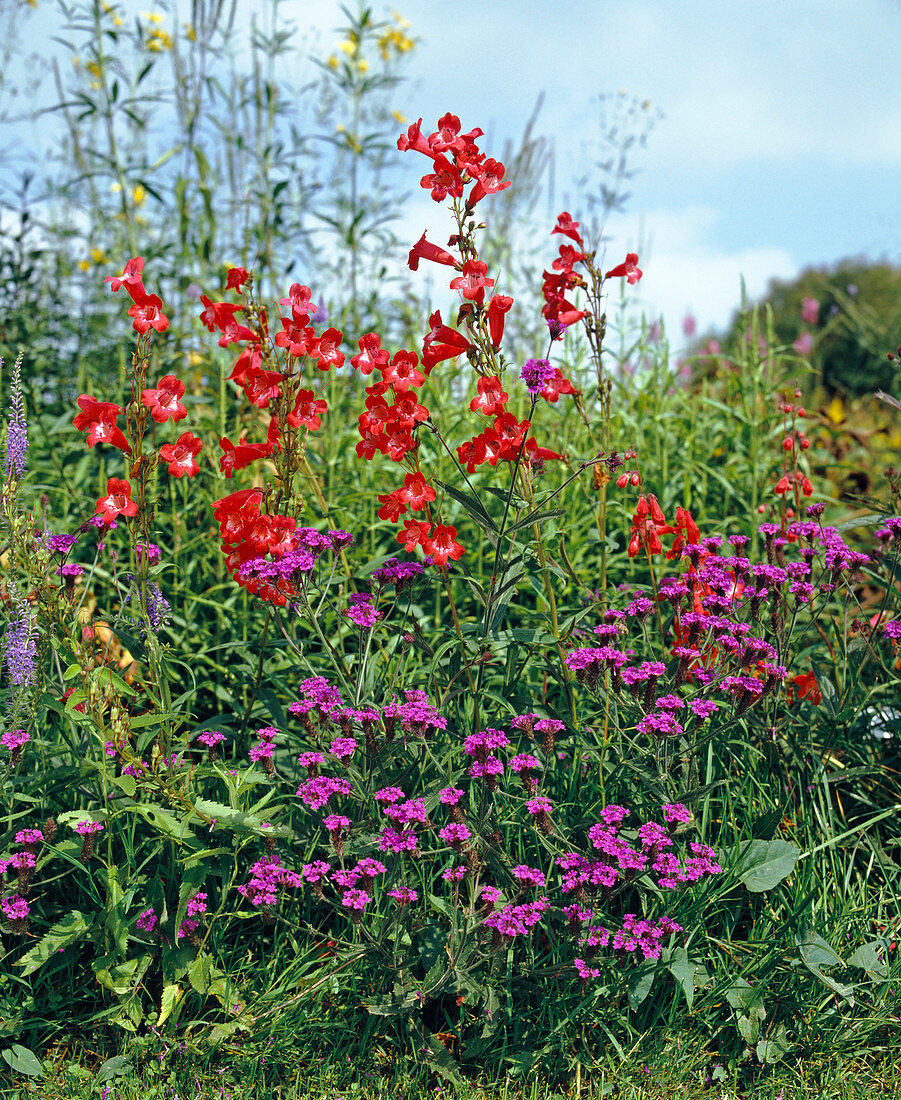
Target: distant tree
844,319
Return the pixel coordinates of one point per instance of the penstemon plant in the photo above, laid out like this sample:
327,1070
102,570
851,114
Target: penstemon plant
479,789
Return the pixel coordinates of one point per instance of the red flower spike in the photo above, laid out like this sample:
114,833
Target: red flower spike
247,367
687,533
163,402
218,314
648,524
102,431
629,269
444,181
237,457
424,250
497,308
117,502
299,300
533,451
299,340
441,343
181,455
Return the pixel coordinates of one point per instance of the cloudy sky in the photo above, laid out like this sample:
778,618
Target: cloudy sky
778,143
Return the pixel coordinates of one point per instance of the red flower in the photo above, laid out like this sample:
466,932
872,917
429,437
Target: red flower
558,385
416,492
307,411
263,387
299,339
489,177
236,457
687,533
567,227
98,419
414,533
401,373
103,431
804,686
328,349
491,398
299,301
236,278
181,455
473,282
444,181
497,307
414,140
533,451
393,506
117,502
629,269
442,545
130,279
423,250
372,354
441,343
147,315
163,402
648,524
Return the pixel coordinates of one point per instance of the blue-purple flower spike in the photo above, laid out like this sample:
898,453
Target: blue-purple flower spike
20,644
16,428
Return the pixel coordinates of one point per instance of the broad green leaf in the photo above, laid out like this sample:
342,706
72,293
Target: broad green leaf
683,970
762,864
473,507
126,783
21,1060
774,1048
867,958
199,974
113,1067
67,931
108,678
640,986
172,994
815,954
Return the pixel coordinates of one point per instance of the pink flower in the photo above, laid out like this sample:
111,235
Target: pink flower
147,920
403,895
804,344
810,311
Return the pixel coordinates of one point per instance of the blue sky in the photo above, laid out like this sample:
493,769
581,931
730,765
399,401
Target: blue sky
779,145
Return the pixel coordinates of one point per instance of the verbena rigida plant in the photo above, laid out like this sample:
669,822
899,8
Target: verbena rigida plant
502,802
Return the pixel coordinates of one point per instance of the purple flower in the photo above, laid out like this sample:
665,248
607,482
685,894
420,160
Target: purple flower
20,644
147,920
16,427
450,796
536,374
403,895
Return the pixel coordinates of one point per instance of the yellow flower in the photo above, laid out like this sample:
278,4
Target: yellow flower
115,188
152,16
118,20
362,64
190,33
99,256
138,194
399,118
159,41
400,21
194,359
84,265
94,69
332,62
349,46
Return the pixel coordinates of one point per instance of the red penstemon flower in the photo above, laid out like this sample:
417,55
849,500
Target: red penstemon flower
164,402
117,501
629,269
442,545
648,524
181,455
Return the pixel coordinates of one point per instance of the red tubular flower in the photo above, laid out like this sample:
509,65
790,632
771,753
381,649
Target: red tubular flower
687,533
445,180
497,308
163,402
442,545
117,501
473,282
424,250
130,279
181,455
147,315
307,411
102,431
93,410
237,457
393,506
441,343
413,139
491,399
648,524
263,387
328,351
533,451
401,372
372,354
804,686
299,340
628,269
489,177
299,301
415,533
568,228
416,492
557,386
567,259
236,278
247,366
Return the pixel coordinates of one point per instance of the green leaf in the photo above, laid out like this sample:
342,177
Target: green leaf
113,1067
535,517
762,864
471,504
21,1060
774,1049
815,954
127,783
65,932
199,974
108,678
163,820
640,986
172,994
228,818
684,972
867,958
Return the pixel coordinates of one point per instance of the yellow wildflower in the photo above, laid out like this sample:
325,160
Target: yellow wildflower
349,46
399,118
84,265
99,256
138,194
